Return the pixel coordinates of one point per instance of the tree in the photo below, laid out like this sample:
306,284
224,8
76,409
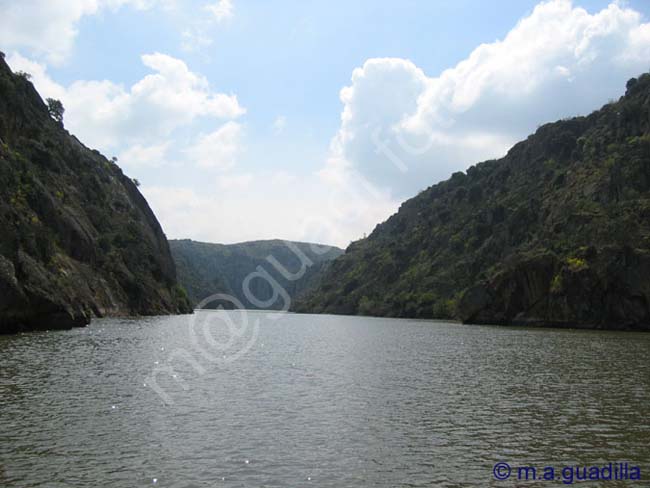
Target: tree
136,182
24,75
55,107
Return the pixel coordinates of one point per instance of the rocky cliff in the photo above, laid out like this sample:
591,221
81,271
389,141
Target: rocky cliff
206,269
555,233
77,239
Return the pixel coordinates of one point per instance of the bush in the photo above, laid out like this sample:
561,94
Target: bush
576,264
366,306
55,107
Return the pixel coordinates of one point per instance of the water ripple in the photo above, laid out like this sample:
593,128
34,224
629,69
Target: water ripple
318,401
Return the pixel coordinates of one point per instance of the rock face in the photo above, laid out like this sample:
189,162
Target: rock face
206,269
77,239
605,288
555,233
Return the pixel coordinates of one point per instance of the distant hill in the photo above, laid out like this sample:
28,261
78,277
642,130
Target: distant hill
555,233
206,269
78,239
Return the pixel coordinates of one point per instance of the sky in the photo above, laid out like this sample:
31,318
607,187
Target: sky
314,120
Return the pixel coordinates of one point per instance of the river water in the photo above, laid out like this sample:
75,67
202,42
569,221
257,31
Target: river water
250,399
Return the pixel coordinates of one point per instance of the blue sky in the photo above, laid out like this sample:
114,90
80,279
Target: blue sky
285,164
292,58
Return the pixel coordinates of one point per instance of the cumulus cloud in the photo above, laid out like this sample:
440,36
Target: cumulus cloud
48,28
107,115
221,10
219,149
145,156
45,85
198,35
401,129
177,90
243,207
559,61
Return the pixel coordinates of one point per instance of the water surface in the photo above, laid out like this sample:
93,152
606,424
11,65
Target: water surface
300,400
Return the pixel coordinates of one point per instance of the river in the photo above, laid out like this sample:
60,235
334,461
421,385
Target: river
251,399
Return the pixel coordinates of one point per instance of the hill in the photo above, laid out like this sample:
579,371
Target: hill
78,239
206,269
555,233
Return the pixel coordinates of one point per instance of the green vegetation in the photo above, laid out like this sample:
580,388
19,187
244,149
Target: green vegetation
556,232
78,239
56,110
206,269
576,264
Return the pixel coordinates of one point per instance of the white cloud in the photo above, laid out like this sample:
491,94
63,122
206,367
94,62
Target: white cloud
175,89
145,156
557,62
48,28
279,124
198,35
106,115
195,39
221,10
401,129
218,149
235,182
182,211
41,80
262,206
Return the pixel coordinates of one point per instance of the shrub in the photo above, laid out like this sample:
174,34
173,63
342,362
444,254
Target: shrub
444,309
576,264
366,306
55,107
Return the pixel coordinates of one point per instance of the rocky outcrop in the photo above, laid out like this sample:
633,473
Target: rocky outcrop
602,288
77,239
555,233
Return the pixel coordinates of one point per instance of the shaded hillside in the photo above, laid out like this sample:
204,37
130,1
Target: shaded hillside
78,239
206,269
555,233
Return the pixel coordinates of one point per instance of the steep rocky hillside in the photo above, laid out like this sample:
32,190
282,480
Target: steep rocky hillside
77,239
555,233
206,269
